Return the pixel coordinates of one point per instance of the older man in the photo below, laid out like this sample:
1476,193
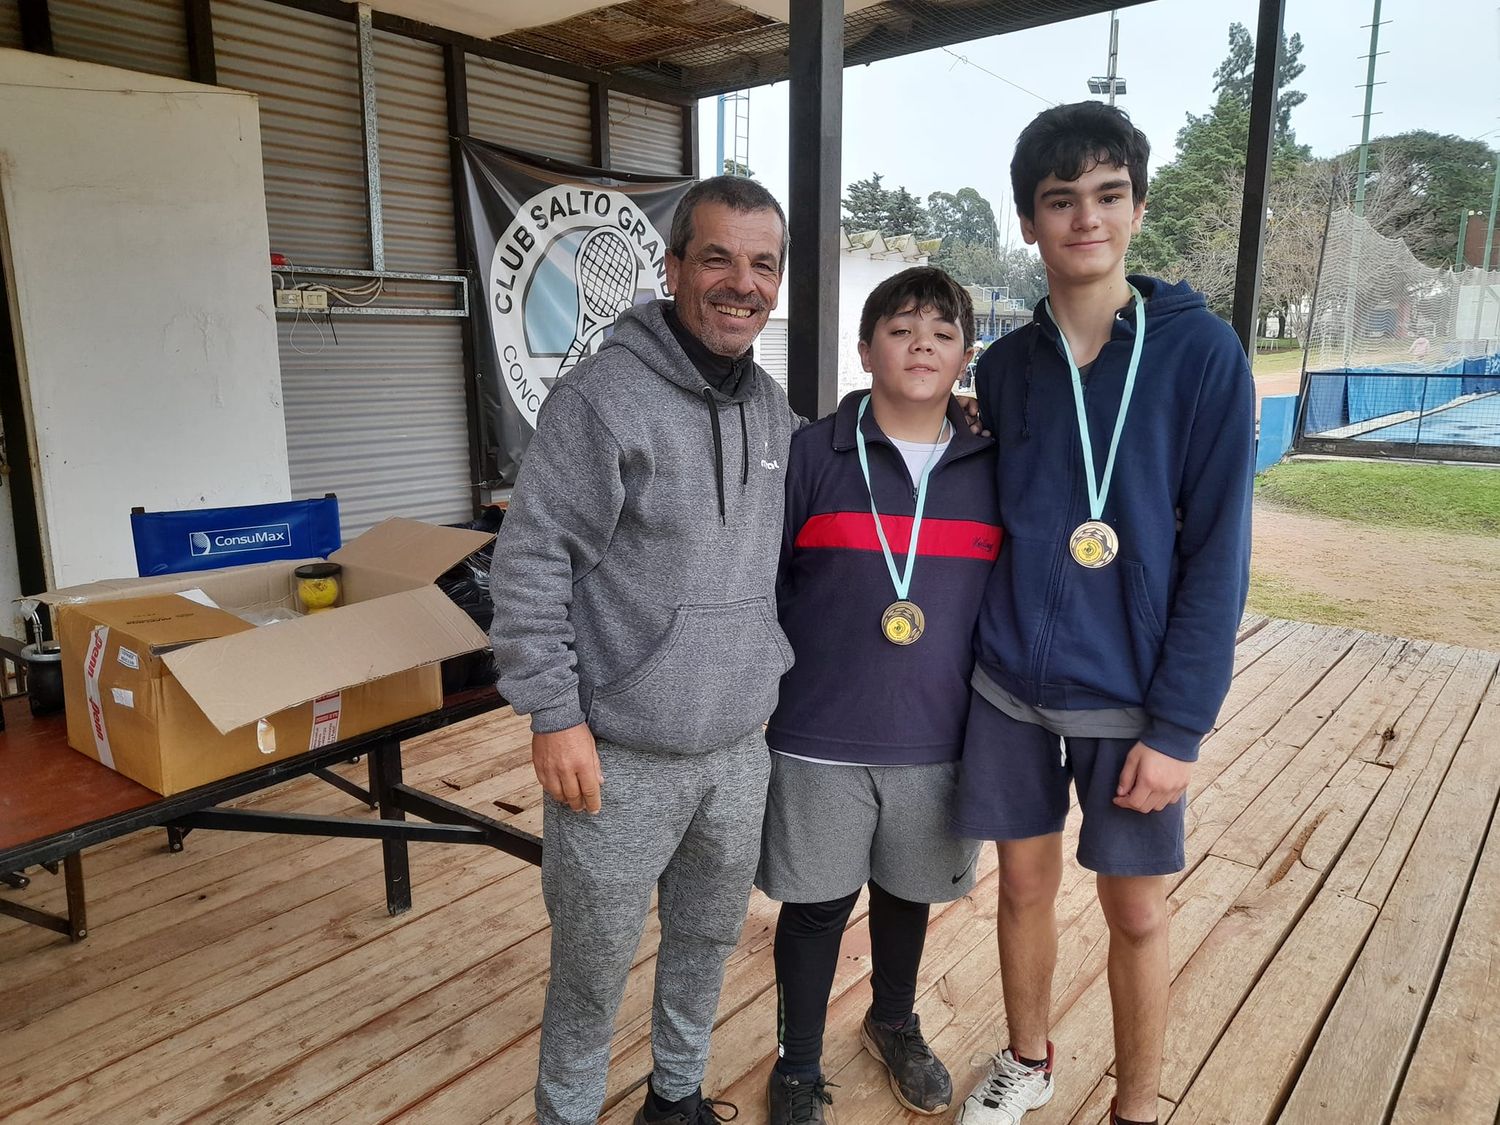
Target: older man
635,622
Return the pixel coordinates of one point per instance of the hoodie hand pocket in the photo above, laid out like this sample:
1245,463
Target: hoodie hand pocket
713,680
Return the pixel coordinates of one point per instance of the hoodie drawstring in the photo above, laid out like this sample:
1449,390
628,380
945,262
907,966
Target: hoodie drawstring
713,419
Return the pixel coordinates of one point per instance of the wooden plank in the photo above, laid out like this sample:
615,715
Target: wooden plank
1392,729
1394,680
1214,808
1224,968
1454,1077
1378,851
178,1078
1289,678
140,1011
1357,1061
1252,1064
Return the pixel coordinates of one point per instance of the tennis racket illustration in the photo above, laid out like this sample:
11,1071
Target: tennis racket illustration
606,270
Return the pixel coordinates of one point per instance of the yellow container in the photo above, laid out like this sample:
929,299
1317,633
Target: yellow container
318,586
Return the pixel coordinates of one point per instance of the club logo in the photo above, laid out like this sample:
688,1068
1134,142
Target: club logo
570,262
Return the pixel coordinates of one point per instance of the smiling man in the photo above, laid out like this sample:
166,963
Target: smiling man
635,622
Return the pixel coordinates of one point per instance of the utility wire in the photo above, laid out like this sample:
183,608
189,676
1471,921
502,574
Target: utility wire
985,70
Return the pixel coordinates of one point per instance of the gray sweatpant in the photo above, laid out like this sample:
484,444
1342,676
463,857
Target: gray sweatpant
688,825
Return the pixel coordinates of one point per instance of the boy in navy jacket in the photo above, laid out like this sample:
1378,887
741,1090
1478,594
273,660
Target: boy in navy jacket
871,717
1124,426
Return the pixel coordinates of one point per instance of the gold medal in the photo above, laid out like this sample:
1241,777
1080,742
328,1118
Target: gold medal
1094,544
902,622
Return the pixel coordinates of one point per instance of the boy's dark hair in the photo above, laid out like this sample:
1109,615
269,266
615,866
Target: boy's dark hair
1067,141
735,192
921,287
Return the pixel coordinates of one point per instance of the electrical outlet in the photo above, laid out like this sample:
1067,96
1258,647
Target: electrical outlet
288,298
315,299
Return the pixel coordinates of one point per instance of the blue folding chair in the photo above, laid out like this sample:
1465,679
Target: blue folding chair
210,538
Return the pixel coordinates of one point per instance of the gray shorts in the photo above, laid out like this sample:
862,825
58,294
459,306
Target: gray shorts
830,829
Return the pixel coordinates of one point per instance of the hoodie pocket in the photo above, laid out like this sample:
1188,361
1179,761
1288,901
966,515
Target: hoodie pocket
712,681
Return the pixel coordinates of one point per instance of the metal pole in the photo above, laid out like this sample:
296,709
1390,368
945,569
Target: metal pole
1364,138
369,119
719,150
1489,244
1257,171
1463,236
815,139
1114,53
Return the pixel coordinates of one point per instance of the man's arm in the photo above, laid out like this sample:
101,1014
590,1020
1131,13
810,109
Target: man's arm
1213,549
562,516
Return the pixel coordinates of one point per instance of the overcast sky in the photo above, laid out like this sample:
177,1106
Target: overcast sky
933,123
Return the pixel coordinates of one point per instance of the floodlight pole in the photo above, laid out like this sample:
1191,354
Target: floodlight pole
1364,138
1114,53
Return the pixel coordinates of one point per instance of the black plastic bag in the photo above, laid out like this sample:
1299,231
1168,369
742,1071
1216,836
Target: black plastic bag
468,587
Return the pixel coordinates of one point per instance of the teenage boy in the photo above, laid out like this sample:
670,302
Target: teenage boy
891,529
1124,418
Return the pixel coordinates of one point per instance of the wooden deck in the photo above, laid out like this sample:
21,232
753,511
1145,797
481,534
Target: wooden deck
1336,941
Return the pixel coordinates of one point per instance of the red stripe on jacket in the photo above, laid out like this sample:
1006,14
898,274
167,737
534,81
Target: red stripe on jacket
855,531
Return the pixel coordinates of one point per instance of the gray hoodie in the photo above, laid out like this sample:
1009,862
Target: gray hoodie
635,574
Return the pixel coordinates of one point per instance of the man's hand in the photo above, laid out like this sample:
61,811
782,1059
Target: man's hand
1151,780
971,411
567,765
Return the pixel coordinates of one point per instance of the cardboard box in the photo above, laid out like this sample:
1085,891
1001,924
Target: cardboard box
175,694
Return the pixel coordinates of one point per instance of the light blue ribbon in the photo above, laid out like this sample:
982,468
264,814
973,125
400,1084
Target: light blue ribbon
902,582
1100,491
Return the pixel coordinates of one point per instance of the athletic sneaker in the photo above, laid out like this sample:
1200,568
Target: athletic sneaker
1008,1091
706,1112
794,1102
919,1081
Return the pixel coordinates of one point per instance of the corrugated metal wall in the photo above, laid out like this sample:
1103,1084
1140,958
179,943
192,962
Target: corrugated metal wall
379,419
770,350
644,136
526,110
306,70
10,24
145,35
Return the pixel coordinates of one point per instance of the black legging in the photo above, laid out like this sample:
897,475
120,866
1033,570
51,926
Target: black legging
807,956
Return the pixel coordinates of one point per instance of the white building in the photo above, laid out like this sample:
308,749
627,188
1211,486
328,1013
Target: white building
868,258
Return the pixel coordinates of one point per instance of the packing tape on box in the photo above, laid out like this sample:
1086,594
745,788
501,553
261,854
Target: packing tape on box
93,663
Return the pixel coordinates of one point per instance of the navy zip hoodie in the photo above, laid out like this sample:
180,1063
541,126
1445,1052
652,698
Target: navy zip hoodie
1156,628
853,696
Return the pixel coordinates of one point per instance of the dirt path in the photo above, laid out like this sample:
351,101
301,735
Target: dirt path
1409,583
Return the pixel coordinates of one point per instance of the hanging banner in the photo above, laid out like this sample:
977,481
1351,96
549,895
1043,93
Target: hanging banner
559,252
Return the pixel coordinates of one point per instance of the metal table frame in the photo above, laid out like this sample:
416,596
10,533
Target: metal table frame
440,821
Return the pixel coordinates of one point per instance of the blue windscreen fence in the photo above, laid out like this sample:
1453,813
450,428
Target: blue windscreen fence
209,538
1449,414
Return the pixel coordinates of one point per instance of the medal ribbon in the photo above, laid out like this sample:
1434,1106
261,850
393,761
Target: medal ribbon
902,582
1099,492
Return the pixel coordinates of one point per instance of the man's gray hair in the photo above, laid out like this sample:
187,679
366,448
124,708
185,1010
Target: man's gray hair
735,192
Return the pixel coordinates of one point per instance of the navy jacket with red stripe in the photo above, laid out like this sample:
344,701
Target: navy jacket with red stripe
853,696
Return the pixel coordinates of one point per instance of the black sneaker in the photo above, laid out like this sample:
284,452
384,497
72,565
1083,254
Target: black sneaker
707,1112
919,1081
793,1102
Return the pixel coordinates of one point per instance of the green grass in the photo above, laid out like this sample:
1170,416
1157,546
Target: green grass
1287,362
1275,598
1435,497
